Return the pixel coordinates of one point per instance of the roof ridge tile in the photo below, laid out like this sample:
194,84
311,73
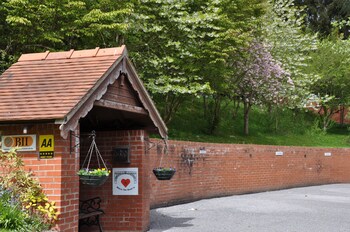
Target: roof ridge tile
71,54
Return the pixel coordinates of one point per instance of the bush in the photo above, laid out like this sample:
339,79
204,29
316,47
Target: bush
13,218
29,205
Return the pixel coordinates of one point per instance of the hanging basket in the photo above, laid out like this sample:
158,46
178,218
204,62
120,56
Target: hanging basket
93,180
164,173
93,177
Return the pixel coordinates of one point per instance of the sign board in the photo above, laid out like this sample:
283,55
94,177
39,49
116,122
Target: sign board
22,142
125,181
46,146
279,153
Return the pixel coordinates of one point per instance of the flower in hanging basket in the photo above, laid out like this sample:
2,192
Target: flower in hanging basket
164,173
94,172
93,177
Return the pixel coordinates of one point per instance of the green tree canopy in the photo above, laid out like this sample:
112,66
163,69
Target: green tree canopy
290,45
38,25
332,62
320,14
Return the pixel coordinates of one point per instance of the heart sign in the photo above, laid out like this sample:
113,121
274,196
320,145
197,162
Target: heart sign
125,182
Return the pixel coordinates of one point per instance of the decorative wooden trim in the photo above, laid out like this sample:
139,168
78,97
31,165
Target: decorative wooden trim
122,66
145,98
87,102
120,106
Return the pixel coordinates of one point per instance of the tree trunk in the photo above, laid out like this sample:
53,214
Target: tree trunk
342,115
214,113
172,103
246,118
326,116
236,104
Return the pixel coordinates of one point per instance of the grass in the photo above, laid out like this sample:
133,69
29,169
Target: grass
294,128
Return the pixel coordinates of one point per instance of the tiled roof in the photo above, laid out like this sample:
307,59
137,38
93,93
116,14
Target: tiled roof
47,86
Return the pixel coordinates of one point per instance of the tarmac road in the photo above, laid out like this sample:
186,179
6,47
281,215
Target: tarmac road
323,208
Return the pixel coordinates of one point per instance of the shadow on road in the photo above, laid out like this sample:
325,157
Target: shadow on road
161,222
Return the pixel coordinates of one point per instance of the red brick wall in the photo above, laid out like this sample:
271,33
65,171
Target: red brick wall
122,213
223,170
235,169
57,176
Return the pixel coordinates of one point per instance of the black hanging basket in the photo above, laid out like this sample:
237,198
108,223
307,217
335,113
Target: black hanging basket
93,180
164,173
93,177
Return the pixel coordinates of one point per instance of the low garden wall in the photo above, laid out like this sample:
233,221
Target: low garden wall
207,170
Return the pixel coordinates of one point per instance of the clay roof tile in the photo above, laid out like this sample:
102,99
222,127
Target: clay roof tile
48,85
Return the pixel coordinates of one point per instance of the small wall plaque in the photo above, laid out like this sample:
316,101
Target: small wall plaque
46,146
327,154
121,155
23,142
279,153
202,151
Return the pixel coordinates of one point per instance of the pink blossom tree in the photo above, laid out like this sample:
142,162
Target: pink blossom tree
259,80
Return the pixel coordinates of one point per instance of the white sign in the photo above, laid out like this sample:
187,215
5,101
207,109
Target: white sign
279,153
125,181
327,154
22,142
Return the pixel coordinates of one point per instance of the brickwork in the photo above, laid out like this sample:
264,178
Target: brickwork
235,169
215,170
122,213
57,176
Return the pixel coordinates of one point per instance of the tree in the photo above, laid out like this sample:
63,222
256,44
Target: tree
285,48
320,15
39,25
168,42
283,31
331,61
260,80
237,18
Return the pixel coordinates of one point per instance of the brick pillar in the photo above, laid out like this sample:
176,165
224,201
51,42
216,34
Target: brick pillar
122,213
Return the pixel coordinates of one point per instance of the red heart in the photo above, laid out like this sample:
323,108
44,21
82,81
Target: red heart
125,182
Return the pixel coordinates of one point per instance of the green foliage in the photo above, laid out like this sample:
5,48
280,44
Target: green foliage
283,31
320,15
182,48
332,63
167,41
13,218
295,127
23,186
38,25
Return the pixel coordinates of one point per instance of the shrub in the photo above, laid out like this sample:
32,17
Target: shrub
14,218
11,216
26,192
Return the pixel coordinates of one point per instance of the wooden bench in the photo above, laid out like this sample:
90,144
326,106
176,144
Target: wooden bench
89,213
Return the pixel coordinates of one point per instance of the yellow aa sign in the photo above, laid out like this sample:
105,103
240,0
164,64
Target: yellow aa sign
46,143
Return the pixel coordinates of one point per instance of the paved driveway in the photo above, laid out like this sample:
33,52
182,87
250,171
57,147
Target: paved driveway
323,208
